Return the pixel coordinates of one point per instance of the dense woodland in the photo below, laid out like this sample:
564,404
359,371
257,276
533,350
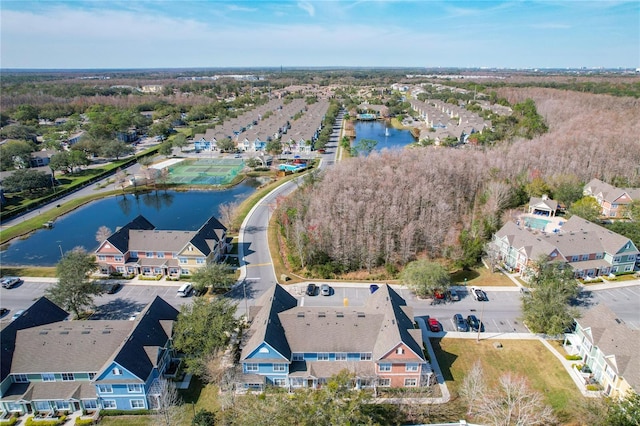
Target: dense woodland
390,208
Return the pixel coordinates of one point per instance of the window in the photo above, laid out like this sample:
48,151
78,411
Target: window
323,356
280,382
118,258
628,268
411,382
400,351
62,405
120,269
184,271
109,404
574,258
68,377
200,260
116,372
134,388
20,378
102,257
133,254
384,383
157,270
341,356
297,356
411,367
41,405
279,367
365,356
183,260
137,403
384,367
48,377
14,406
90,404
105,389
149,254
92,375
585,257
160,255
616,259
251,367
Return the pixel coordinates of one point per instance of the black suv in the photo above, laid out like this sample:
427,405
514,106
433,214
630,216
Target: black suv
311,289
474,323
461,324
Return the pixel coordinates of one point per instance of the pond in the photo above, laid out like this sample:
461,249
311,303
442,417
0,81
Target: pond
387,137
185,211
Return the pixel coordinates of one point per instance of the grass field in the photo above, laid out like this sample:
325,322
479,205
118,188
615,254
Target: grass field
481,277
527,358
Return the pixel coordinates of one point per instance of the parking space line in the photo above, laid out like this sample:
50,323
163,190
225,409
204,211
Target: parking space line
496,324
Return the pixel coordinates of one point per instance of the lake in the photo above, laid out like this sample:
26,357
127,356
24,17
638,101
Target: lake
390,139
185,211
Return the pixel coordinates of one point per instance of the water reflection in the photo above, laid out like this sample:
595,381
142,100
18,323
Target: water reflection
166,210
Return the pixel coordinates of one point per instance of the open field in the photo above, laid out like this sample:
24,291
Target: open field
527,358
481,277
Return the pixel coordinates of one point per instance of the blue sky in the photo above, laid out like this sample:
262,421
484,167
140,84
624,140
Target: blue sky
422,33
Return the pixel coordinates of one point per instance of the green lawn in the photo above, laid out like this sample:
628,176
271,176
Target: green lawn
481,277
528,358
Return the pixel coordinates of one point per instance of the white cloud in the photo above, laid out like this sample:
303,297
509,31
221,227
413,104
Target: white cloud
307,7
236,8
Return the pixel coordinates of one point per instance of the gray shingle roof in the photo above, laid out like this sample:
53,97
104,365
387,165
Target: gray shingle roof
615,338
208,235
43,311
68,346
120,238
153,329
155,240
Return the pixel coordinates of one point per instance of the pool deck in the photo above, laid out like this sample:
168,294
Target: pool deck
555,222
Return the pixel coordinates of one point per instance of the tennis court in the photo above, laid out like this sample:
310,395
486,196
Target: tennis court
205,171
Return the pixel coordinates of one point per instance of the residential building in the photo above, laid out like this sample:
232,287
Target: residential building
543,206
89,365
611,199
609,348
590,249
302,347
140,248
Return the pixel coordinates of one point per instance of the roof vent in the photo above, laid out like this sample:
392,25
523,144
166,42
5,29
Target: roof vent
300,314
86,331
360,314
106,331
339,314
321,315
44,332
64,332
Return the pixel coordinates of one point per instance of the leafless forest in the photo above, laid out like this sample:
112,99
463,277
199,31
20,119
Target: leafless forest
392,207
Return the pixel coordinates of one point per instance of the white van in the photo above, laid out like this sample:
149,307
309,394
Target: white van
185,290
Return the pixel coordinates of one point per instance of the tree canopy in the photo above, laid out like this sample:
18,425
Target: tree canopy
587,208
202,329
213,275
74,290
424,277
547,308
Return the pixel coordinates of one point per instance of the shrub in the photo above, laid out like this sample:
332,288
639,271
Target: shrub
573,358
594,387
54,422
10,421
83,422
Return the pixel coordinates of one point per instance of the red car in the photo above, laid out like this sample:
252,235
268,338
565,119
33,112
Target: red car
434,325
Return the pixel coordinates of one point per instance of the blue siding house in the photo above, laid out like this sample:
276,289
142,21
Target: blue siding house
88,365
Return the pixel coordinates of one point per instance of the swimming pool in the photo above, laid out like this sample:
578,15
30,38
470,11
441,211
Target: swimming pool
535,223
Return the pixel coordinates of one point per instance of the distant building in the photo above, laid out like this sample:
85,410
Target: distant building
611,199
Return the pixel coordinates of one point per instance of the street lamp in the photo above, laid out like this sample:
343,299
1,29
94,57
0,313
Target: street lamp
480,325
61,254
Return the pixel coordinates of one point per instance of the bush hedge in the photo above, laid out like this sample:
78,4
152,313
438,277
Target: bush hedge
573,357
54,422
83,422
10,421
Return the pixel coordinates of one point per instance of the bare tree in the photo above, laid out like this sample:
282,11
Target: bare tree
473,386
103,233
167,402
227,212
514,403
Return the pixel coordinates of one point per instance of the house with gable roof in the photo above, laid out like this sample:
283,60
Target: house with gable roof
140,248
611,199
89,365
609,348
589,249
302,347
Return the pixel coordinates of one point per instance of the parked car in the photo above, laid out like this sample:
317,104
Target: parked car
434,325
185,290
461,324
475,323
453,295
110,288
479,294
437,294
3,312
325,290
17,315
311,289
10,282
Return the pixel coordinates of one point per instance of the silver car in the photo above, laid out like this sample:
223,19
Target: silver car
325,290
